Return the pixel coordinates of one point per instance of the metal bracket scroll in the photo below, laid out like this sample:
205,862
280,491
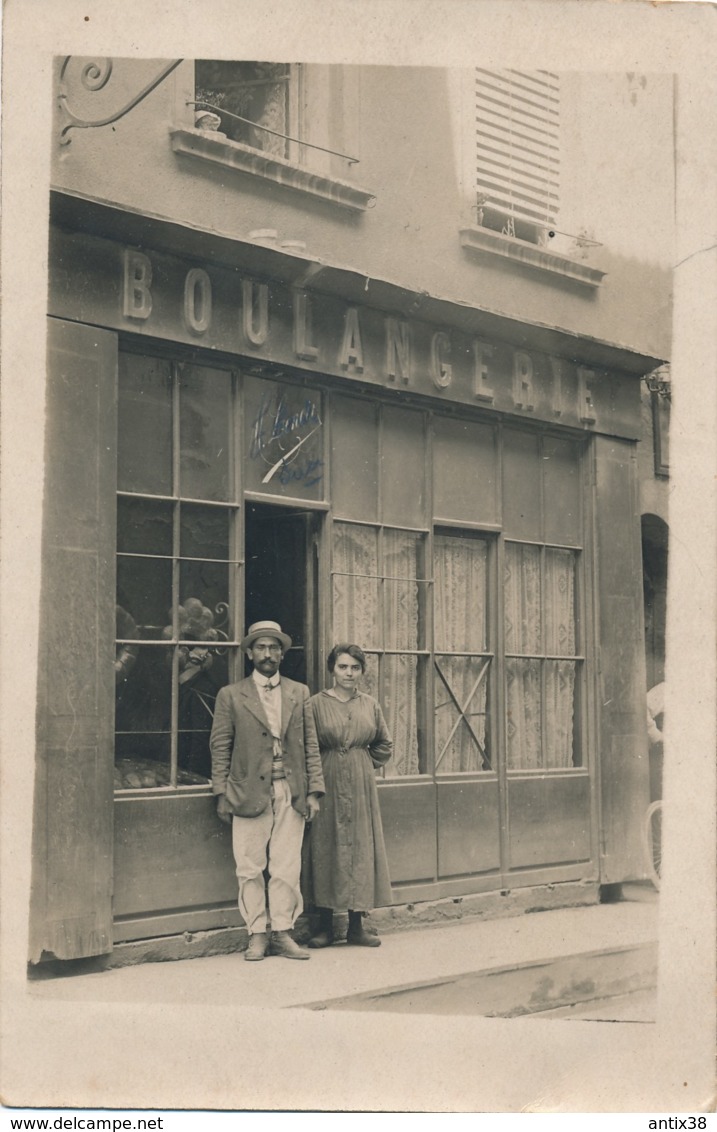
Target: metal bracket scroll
94,76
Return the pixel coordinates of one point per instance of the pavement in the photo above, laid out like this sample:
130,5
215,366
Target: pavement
440,952
219,1033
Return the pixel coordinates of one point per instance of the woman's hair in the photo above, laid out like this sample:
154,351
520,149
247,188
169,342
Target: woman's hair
353,650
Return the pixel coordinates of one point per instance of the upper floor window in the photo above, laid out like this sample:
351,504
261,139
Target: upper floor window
258,103
517,140
295,124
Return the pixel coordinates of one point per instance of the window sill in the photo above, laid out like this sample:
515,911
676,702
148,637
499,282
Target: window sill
236,155
519,251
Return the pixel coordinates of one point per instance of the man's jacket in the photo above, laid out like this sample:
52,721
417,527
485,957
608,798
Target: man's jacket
242,748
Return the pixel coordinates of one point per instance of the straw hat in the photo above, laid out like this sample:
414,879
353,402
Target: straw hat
266,629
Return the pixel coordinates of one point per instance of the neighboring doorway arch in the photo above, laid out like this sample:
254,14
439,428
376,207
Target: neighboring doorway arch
655,537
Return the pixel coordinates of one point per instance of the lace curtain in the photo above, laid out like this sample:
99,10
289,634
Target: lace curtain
460,566
377,606
529,633
256,91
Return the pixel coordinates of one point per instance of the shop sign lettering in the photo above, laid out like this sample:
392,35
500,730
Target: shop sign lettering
400,361
278,436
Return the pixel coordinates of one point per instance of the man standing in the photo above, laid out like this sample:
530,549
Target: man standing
267,789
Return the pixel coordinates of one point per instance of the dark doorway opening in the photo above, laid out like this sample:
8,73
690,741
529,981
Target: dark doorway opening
654,577
282,580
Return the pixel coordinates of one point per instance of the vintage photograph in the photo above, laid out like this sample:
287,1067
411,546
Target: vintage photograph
355,554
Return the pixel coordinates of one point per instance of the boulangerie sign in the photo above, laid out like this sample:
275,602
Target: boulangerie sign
220,308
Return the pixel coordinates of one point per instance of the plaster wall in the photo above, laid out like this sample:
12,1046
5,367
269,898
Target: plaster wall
411,129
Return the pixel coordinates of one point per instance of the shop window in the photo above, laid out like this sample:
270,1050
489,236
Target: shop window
517,152
176,568
542,665
257,102
462,661
379,601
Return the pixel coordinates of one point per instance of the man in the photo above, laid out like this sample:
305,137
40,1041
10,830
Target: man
267,788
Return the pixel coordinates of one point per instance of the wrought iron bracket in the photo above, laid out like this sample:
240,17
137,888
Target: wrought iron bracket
94,76
658,381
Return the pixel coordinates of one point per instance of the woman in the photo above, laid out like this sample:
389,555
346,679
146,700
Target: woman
347,853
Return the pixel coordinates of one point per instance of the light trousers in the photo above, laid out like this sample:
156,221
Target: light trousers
272,840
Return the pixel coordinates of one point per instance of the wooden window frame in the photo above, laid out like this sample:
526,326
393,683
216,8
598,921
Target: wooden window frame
235,562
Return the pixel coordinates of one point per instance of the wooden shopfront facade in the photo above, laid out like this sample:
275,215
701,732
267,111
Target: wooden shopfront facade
235,433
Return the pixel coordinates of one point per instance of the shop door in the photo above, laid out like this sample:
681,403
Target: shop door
281,581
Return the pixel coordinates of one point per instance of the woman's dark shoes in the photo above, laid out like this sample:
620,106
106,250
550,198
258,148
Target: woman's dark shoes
321,939
360,938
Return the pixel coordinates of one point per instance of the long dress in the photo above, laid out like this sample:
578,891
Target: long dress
346,847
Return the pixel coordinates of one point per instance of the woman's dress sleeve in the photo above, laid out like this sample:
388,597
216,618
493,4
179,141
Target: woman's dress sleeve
381,746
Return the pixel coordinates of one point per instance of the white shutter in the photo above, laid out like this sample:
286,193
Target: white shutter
518,143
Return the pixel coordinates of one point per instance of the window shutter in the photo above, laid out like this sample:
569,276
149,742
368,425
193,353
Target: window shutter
71,900
518,146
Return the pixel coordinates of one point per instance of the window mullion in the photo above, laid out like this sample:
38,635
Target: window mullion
176,548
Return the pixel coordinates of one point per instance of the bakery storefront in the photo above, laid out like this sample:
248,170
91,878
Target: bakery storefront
235,432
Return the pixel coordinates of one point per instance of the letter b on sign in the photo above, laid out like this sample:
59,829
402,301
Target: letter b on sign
136,293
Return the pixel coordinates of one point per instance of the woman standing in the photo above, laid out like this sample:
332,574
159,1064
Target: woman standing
347,853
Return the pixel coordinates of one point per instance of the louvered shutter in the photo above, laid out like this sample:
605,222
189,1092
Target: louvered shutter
518,144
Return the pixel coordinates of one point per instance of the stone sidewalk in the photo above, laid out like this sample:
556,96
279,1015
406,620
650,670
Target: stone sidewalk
435,952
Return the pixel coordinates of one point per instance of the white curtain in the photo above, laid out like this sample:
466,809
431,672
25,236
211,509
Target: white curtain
382,613
532,629
560,639
460,682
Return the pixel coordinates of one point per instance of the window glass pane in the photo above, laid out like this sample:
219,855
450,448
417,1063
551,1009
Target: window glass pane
354,458
460,580
206,424
560,746
561,469
521,484
144,444
400,554
400,706
369,680
283,440
144,527
141,761
400,615
144,591
559,587
204,532
521,590
202,672
356,616
403,467
143,716
464,471
256,91
461,698
356,610
401,597
204,590
523,710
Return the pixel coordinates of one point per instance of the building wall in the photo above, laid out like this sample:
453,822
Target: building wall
412,128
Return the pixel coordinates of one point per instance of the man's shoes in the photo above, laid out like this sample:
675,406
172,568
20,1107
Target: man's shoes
283,944
321,939
360,938
256,950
